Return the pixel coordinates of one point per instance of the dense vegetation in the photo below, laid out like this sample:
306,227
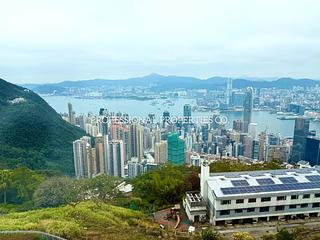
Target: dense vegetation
166,185
96,207
239,166
32,134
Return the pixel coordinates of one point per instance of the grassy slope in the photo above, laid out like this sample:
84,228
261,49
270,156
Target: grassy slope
32,133
102,221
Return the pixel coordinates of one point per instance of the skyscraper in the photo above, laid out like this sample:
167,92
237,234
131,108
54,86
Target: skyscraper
301,131
229,92
82,156
187,113
115,155
262,146
161,152
252,130
165,118
247,108
176,149
70,114
312,153
136,141
101,166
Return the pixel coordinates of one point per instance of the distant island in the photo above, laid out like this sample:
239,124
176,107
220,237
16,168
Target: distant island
159,83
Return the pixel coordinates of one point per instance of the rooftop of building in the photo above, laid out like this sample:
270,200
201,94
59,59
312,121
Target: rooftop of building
260,182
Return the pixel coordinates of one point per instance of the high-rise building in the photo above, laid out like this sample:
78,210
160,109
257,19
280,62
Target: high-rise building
312,152
136,134
161,152
248,146
84,158
101,161
187,113
115,155
273,139
165,118
255,149
252,130
71,114
229,92
237,125
262,147
135,168
176,149
301,131
82,121
247,108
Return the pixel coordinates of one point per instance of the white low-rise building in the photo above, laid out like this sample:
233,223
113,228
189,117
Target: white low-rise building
249,197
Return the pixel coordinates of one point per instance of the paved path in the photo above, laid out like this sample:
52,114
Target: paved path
43,234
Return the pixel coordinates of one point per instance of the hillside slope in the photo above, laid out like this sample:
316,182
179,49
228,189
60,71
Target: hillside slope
32,134
86,220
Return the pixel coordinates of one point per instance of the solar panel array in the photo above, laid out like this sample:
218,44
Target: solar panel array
270,188
265,181
313,178
288,179
238,183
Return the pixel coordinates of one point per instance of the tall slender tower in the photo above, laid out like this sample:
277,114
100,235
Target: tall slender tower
70,114
247,108
229,92
301,131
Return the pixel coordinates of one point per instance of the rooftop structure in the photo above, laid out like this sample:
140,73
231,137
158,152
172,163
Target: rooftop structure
260,195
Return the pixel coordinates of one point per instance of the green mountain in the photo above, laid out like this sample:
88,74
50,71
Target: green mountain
32,134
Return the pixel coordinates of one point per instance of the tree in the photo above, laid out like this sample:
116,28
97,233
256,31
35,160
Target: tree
101,188
5,181
242,236
25,182
210,234
55,192
163,186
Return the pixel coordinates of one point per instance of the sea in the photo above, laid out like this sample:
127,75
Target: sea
141,108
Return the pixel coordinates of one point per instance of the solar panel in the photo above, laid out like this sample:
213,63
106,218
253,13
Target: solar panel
256,174
238,183
313,178
288,180
270,188
265,181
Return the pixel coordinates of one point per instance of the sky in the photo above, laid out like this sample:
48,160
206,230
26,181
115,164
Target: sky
50,41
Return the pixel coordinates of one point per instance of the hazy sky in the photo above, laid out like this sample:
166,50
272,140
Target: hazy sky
56,40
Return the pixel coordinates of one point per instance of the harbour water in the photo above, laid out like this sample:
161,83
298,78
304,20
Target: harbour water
136,108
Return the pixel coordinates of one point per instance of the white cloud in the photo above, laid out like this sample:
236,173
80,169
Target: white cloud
44,40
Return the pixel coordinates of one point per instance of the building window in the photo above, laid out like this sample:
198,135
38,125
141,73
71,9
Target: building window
238,201
281,198
224,212
264,209
314,205
266,199
317,195
279,208
252,200
304,205
294,197
250,209
238,210
306,196
225,202
292,206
